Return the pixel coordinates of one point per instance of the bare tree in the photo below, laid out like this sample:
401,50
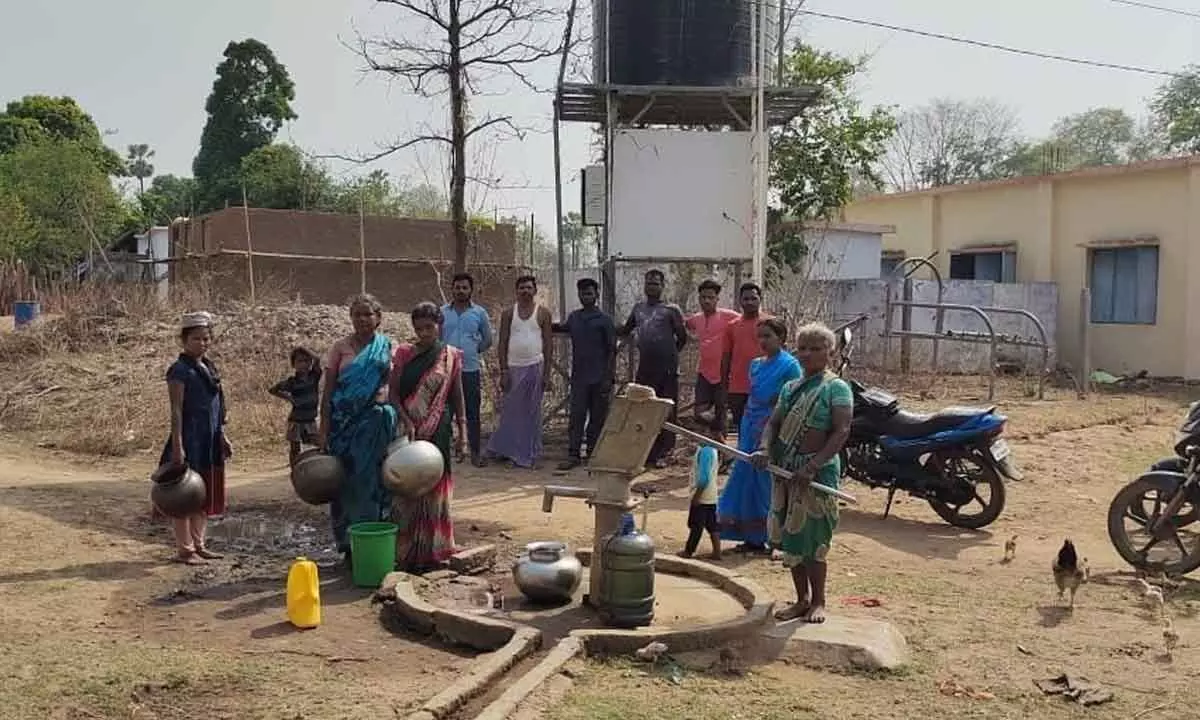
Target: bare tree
949,142
452,48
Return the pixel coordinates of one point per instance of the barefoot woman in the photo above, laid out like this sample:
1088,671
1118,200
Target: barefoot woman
806,431
357,423
426,389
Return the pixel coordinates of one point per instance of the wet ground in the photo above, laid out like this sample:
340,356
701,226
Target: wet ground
679,602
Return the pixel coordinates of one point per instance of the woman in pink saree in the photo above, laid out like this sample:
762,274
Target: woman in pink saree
426,389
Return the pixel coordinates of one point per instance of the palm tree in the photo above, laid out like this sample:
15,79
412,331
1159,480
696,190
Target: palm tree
138,162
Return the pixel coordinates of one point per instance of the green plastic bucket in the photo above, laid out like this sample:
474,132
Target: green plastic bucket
373,552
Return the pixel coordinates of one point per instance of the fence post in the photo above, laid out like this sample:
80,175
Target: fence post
1085,342
249,244
362,246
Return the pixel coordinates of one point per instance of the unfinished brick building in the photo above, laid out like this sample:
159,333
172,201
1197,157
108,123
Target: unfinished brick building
319,257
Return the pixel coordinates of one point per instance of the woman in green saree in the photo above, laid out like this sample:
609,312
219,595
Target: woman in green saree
807,429
426,389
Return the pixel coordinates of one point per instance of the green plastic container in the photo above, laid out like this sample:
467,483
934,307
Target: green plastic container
373,552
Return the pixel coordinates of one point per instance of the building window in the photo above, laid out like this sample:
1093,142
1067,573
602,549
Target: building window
888,262
997,266
1124,284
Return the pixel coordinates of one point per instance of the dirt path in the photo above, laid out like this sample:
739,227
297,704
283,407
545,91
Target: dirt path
97,626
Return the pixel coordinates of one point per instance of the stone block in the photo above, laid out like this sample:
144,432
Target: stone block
839,642
486,670
474,631
473,560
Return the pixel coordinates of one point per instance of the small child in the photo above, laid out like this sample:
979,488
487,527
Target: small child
301,389
702,515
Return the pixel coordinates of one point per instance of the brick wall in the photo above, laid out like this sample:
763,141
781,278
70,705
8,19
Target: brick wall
399,285
333,234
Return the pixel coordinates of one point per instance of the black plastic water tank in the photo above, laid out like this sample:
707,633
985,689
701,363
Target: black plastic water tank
703,43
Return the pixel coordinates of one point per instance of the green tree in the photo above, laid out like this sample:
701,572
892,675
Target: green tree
68,201
18,233
138,165
279,176
167,198
40,118
251,100
1100,136
817,158
1176,110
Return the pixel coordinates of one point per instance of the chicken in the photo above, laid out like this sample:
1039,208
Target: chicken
1170,637
1069,574
652,652
1010,549
1152,595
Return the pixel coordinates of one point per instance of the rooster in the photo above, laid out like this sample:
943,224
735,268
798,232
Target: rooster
1068,574
1170,637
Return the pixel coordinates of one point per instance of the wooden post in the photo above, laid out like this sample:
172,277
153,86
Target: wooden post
1085,342
362,246
906,317
249,244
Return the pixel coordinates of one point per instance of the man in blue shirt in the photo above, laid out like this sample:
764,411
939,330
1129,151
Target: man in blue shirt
466,326
593,364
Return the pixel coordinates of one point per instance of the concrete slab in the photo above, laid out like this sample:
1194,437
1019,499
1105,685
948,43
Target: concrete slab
844,642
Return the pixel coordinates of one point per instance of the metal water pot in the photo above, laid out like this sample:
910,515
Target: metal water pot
317,477
412,468
177,491
547,572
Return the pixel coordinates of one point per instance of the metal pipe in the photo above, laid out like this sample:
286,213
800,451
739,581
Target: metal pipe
550,492
1045,346
986,321
773,469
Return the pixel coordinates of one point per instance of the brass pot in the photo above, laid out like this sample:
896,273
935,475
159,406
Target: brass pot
412,468
317,477
177,490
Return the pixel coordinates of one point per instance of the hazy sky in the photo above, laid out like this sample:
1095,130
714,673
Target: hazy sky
143,69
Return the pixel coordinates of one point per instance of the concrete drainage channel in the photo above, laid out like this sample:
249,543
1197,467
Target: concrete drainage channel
527,658
514,651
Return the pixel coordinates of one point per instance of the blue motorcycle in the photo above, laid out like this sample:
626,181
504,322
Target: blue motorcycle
954,459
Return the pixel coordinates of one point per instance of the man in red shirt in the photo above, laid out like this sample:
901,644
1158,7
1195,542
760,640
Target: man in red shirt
741,346
708,326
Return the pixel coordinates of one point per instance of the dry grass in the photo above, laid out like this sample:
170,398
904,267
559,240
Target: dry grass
90,379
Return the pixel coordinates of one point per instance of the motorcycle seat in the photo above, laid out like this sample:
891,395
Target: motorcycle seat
906,424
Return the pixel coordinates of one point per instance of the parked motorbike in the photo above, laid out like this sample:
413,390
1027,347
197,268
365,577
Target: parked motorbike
945,458
1152,520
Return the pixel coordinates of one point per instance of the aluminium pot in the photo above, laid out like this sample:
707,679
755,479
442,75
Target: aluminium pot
547,572
177,491
317,477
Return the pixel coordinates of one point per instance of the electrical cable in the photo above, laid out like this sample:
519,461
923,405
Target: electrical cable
992,46
1158,8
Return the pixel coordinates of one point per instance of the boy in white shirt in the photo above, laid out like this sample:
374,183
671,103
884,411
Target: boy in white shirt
702,515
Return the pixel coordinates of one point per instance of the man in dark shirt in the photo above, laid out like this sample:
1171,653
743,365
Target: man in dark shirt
593,363
661,334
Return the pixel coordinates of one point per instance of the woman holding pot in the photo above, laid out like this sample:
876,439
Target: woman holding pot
197,437
426,389
357,423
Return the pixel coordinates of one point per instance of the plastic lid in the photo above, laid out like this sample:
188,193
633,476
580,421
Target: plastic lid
301,559
628,526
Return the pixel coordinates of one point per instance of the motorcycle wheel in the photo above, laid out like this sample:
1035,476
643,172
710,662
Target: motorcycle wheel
1130,515
967,484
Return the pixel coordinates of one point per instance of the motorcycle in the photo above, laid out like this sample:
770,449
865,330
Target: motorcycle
945,458
1152,520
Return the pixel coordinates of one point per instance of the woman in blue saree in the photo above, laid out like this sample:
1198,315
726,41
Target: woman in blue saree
357,422
745,503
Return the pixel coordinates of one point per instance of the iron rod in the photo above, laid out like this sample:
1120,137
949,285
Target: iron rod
773,469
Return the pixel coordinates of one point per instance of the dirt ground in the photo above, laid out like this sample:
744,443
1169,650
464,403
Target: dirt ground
98,625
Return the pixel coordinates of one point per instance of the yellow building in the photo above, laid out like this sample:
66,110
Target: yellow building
1129,233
